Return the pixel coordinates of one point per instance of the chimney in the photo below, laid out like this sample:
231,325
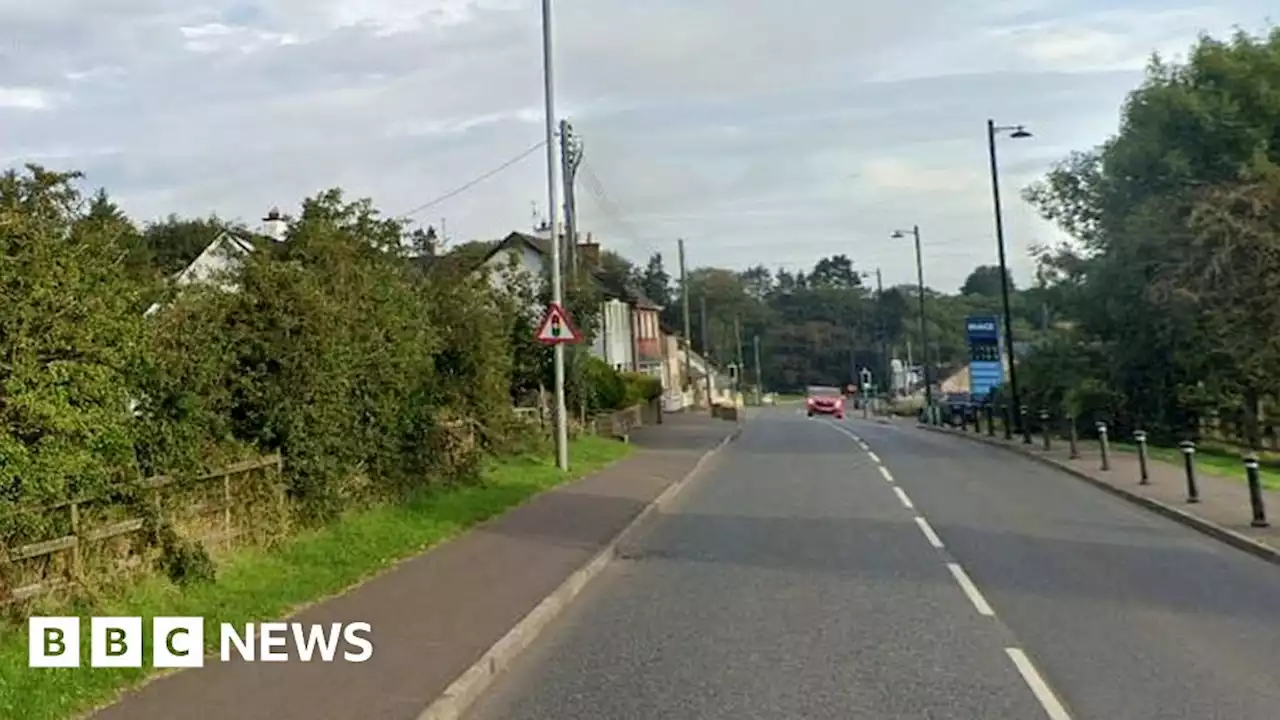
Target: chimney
590,253
274,225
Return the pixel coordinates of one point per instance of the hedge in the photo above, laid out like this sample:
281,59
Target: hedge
371,375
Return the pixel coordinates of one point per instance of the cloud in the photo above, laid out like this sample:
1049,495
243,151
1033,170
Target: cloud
24,98
761,132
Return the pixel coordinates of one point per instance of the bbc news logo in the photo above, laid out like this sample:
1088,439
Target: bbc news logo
178,642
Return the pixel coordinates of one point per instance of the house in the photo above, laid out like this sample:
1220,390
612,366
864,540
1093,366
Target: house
685,376
629,335
225,253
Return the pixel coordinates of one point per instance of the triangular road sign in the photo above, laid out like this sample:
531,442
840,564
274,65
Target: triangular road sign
556,328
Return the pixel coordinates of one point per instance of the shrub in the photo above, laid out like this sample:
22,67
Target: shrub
641,388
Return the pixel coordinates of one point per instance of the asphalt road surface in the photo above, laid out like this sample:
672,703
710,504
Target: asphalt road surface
854,570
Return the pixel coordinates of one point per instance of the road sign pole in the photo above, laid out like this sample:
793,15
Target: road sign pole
562,424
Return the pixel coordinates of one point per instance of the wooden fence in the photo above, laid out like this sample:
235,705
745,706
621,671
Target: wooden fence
31,570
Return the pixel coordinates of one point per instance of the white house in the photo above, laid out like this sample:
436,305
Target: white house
225,253
629,334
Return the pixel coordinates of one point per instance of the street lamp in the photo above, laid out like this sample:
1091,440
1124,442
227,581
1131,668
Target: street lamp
1017,132
924,336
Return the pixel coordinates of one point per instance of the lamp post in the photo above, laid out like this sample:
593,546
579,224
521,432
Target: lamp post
924,332
1017,132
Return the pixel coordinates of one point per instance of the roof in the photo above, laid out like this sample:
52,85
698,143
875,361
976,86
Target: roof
628,293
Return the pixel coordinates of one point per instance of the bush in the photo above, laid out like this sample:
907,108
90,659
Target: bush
641,388
604,386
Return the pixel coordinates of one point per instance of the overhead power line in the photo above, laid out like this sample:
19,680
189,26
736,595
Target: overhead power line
475,181
606,204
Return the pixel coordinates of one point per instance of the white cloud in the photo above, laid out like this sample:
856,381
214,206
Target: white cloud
24,98
760,131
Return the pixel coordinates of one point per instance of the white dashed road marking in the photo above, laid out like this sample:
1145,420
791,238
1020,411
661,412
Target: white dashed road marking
1044,695
971,590
902,495
1052,706
929,534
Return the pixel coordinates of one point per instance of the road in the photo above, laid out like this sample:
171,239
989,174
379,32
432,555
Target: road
825,569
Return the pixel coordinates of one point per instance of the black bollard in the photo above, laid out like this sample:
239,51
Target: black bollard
1026,427
1255,492
1007,414
991,420
1102,442
1044,428
1140,437
1071,437
1189,464
977,420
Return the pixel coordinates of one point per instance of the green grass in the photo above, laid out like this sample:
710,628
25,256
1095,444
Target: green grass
254,585
1210,462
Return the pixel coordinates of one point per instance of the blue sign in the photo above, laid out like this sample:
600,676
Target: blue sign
986,370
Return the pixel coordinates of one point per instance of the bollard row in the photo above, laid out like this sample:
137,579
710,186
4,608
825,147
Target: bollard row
1257,504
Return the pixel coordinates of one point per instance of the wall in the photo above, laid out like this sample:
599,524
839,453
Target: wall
613,341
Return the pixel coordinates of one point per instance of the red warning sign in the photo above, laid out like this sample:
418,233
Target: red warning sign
556,328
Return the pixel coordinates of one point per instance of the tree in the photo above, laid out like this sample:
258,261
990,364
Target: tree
654,281
985,280
69,337
1153,207
834,272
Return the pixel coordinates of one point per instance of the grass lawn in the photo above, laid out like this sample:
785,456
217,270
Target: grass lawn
1210,462
254,585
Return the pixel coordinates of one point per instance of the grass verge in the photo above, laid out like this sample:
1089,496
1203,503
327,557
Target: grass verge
1210,462
255,585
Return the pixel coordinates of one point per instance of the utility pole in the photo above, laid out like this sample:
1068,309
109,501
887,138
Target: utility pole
688,328
755,341
706,351
553,207
884,361
737,337
570,159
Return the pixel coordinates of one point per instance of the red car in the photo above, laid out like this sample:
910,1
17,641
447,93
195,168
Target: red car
825,401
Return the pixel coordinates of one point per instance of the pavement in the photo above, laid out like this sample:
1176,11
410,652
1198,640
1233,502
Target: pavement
1223,510
435,615
854,569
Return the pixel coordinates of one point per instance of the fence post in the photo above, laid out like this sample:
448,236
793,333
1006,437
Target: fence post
1044,427
1102,441
1072,438
1140,437
77,557
1255,492
1189,464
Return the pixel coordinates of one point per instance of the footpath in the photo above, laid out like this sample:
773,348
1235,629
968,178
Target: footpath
1223,510
436,615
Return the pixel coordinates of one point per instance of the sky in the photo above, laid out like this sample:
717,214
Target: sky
760,132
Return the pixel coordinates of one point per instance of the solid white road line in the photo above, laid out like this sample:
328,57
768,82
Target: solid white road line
1052,706
885,472
864,446
971,590
929,534
902,495
874,457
